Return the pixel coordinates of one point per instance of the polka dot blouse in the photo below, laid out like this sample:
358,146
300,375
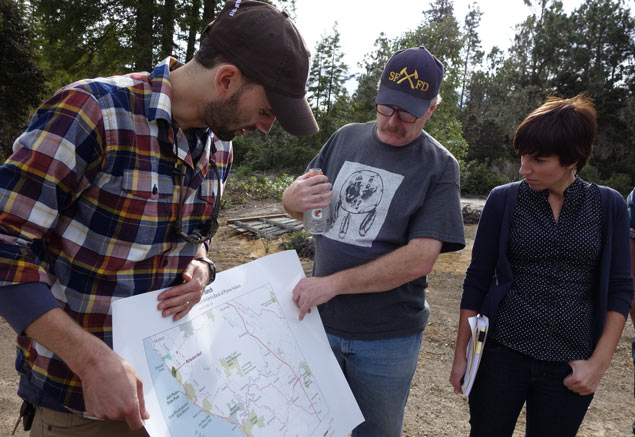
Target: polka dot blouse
548,312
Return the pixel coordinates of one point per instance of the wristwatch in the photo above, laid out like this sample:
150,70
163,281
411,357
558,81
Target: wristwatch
211,266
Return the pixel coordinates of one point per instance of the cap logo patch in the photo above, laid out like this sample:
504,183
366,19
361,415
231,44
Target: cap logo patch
236,6
308,73
399,77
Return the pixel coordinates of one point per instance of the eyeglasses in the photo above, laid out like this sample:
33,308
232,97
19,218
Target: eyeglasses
207,229
404,116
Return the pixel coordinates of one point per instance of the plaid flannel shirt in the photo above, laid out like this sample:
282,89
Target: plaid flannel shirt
89,204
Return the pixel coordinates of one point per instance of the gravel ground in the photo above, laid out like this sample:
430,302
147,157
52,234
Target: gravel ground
433,409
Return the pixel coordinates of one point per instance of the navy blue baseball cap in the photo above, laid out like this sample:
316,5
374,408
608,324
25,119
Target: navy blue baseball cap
411,79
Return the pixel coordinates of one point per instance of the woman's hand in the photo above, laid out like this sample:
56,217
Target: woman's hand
585,376
458,371
459,365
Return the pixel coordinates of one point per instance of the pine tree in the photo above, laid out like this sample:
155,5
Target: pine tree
21,81
471,46
326,82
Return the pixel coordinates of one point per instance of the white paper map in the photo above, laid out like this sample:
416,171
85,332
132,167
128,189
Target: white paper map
240,363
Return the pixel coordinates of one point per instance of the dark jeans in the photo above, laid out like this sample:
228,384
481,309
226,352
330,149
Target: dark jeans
507,379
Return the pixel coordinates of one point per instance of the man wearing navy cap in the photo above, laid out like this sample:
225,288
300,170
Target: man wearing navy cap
395,205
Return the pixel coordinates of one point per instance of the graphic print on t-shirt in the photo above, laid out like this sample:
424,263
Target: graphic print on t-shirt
361,197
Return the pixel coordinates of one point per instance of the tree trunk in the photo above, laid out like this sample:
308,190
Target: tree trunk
209,9
167,34
142,42
194,21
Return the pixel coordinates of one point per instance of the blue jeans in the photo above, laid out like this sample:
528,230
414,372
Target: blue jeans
507,379
379,373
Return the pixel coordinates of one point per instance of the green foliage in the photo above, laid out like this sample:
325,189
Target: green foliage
471,46
602,63
478,179
590,174
327,95
621,182
241,188
302,242
89,38
591,49
363,101
295,240
83,38
243,172
276,151
440,34
266,240
448,131
21,80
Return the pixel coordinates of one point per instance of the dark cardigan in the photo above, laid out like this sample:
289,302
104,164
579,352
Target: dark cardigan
489,275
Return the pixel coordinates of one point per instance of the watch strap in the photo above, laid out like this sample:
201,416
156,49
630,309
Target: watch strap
211,266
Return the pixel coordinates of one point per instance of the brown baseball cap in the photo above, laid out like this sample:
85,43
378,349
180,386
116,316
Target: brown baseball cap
267,48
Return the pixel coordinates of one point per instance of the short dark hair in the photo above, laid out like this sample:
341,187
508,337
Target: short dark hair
208,56
562,127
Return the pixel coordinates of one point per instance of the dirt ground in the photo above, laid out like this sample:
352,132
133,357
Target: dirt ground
433,409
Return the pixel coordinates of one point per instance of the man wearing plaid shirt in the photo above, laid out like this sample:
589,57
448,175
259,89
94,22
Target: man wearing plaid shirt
113,190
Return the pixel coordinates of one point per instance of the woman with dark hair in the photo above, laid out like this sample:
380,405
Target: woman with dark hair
551,269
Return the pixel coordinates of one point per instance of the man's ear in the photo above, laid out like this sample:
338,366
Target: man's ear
227,80
429,112
432,108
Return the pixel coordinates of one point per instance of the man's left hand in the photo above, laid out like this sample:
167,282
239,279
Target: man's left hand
178,300
311,292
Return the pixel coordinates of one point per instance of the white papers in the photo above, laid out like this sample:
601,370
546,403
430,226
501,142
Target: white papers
478,325
240,363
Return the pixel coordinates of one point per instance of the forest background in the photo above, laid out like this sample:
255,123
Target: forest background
46,44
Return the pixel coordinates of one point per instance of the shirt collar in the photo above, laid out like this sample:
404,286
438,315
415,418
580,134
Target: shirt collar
161,109
573,191
161,86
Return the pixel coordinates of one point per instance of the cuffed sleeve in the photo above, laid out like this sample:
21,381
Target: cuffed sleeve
22,304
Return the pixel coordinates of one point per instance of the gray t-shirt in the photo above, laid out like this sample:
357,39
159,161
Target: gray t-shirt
383,196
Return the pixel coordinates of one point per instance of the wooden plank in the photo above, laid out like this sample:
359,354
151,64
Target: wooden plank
290,227
246,219
255,230
239,230
267,226
289,221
